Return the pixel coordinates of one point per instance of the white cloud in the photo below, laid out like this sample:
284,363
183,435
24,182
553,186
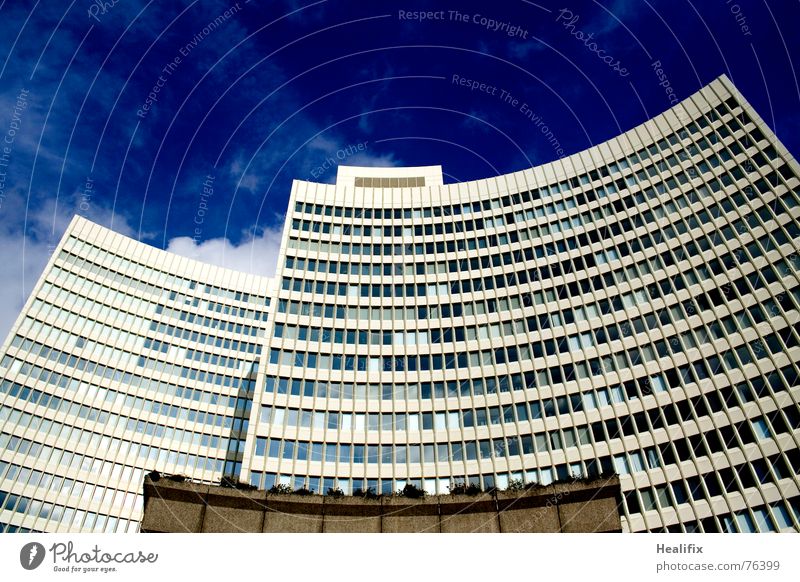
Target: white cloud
23,260
25,254
246,181
256,254
324,143
361,159
324,154
26,244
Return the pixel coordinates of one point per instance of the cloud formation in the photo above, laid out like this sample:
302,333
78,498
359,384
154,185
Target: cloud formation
28,236
256,253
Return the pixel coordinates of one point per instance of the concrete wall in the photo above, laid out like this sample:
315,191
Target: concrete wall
578,506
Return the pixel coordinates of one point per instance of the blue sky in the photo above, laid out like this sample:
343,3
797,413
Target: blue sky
255,94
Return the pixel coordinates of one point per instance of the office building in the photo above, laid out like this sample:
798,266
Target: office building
629,309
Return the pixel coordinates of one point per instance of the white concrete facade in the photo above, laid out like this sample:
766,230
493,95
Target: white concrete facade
125,359
371,383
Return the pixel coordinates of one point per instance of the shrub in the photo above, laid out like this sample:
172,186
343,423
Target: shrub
368,493
280,489
411,491
462,488
233,483
334,492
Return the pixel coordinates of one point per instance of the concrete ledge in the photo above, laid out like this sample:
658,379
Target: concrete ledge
402,515
292,513
574,506
343,516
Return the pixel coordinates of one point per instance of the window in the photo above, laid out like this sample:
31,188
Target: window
761,428
648,500
763,520
658,383
745,522
652,459
663,496
782,516
636,461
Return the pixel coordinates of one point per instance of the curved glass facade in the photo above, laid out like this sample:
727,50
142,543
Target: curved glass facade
632,308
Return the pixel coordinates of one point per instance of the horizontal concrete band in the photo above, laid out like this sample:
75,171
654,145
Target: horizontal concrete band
574,506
